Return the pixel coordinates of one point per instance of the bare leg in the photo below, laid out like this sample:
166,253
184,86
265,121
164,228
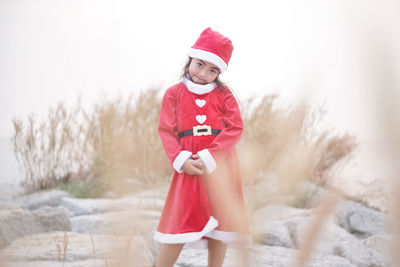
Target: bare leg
168,254
242,248
216,253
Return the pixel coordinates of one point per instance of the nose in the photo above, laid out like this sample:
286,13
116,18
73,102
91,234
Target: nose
202,73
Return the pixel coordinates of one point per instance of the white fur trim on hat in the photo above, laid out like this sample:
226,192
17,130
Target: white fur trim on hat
209,57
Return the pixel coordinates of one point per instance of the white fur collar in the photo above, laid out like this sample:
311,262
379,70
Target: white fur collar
199,89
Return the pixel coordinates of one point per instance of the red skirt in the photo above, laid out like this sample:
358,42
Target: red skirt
201,207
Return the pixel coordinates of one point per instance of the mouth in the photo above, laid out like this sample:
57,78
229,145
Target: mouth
198,80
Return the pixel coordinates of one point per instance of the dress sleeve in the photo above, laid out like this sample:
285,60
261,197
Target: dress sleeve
167,129
225,141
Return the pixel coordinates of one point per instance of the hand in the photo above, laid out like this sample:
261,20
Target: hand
194,166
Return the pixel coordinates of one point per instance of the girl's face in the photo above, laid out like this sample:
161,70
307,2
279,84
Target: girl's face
202,72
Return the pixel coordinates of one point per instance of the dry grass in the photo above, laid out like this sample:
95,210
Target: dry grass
62,252
281,147
50,149
96,149
125,141
118,139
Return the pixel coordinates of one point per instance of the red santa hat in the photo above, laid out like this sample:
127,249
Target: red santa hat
212,47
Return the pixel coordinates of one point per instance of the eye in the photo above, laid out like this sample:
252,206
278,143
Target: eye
199,64
212,71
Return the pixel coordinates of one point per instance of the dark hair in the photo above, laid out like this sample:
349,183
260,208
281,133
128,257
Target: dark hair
220,84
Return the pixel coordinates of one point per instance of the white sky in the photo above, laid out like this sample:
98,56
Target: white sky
332,51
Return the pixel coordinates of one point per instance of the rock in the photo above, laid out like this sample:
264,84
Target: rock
334,240
292,226
145,201
360,220
278,212
85,206
80,248
191,257
117,223
379,243
120,231
269,224
18,223
360,255
273,233
53,219
260,255
7,205
329,261
83,263
42,198
282,257
158,193
329,235
286,228
309,195
91,206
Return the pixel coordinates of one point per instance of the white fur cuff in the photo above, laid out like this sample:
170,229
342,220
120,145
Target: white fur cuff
180,159
208,160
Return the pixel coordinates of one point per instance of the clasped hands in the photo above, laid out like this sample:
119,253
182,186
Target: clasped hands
194,166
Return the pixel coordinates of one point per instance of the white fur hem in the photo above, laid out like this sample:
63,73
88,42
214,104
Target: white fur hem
231,239
186,237
228,237
208,160
180,159
209,57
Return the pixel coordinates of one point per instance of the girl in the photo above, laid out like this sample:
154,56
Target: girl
200,124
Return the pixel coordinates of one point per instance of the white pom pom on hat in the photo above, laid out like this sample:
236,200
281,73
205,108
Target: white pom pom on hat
213,47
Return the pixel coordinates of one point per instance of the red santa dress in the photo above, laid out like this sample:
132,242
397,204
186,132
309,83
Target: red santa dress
211,205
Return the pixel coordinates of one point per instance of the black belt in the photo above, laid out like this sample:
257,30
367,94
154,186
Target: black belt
199,131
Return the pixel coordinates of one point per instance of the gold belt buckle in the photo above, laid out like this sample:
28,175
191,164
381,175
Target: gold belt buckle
200,130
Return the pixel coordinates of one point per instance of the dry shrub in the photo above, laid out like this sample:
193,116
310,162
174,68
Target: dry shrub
126,143
281,147
115,140
50,149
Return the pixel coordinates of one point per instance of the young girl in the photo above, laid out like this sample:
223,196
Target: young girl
200,124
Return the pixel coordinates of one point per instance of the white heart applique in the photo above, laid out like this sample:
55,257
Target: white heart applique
200,102
201,118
